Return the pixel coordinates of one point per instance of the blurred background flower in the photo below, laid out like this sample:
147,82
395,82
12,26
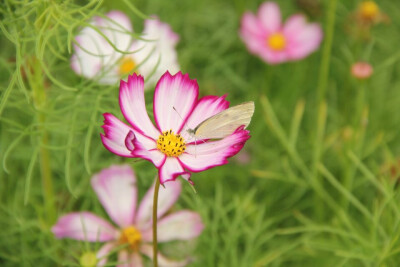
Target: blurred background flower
108,49
267,37
117,192
361,70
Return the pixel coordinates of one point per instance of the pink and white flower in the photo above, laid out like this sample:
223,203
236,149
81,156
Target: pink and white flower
266,36
117,192
169,146
95,57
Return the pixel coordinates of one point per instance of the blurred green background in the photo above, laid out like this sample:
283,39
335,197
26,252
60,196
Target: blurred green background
319,189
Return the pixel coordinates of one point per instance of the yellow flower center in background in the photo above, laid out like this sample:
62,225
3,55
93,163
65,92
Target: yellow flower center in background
130,235
171,144
369,10
127,66
88,259
276,41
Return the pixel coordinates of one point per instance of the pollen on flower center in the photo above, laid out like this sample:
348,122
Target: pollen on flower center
127,66
130,235
171,144
369,9
276,41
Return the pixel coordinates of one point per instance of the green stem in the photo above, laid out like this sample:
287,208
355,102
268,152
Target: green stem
35,77
321,92
155,204
47,181
326,52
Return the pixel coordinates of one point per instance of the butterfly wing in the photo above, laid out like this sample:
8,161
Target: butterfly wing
226,122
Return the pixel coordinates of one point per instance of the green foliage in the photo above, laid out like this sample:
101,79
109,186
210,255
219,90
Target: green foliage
317,191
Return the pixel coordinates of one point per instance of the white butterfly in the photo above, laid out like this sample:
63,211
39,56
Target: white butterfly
224,123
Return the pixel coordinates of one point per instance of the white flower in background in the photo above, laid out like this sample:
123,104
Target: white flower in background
108,61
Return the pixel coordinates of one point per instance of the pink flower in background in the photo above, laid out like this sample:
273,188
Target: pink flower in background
95,58
116,189
266,36
175,108
361,70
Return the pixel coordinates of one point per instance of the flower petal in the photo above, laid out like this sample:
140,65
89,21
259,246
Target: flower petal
167,196
94,55
116,189
131,100
84,226
253,33
174,100
115,132
302,38
129,259
181,225
103,252
118,28
162,260
294,24
304,41
171,169
206,107
146,148
203,156
270,16
156,51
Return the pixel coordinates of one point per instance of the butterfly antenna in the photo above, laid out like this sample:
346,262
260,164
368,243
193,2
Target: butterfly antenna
180,117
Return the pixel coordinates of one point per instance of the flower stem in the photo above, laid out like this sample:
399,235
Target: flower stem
321,103
35,78
155,204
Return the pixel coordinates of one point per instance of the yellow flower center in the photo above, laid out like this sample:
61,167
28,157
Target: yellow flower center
130,235
369,9
88,259
276,41
127,66
171,144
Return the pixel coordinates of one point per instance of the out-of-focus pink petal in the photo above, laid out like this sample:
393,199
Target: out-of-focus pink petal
103,252
206,107
117,27
174,100
203,156
84,226
129,259
162,260
116,189
304,41
252,33
83,63
115,132
294,24
123,258
171,169
167,196
94,55
181,225
273,57
131,100
136,259
270,16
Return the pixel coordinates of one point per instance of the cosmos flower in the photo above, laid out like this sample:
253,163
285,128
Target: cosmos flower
266,36
116,189
361,70
169,146
152,54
